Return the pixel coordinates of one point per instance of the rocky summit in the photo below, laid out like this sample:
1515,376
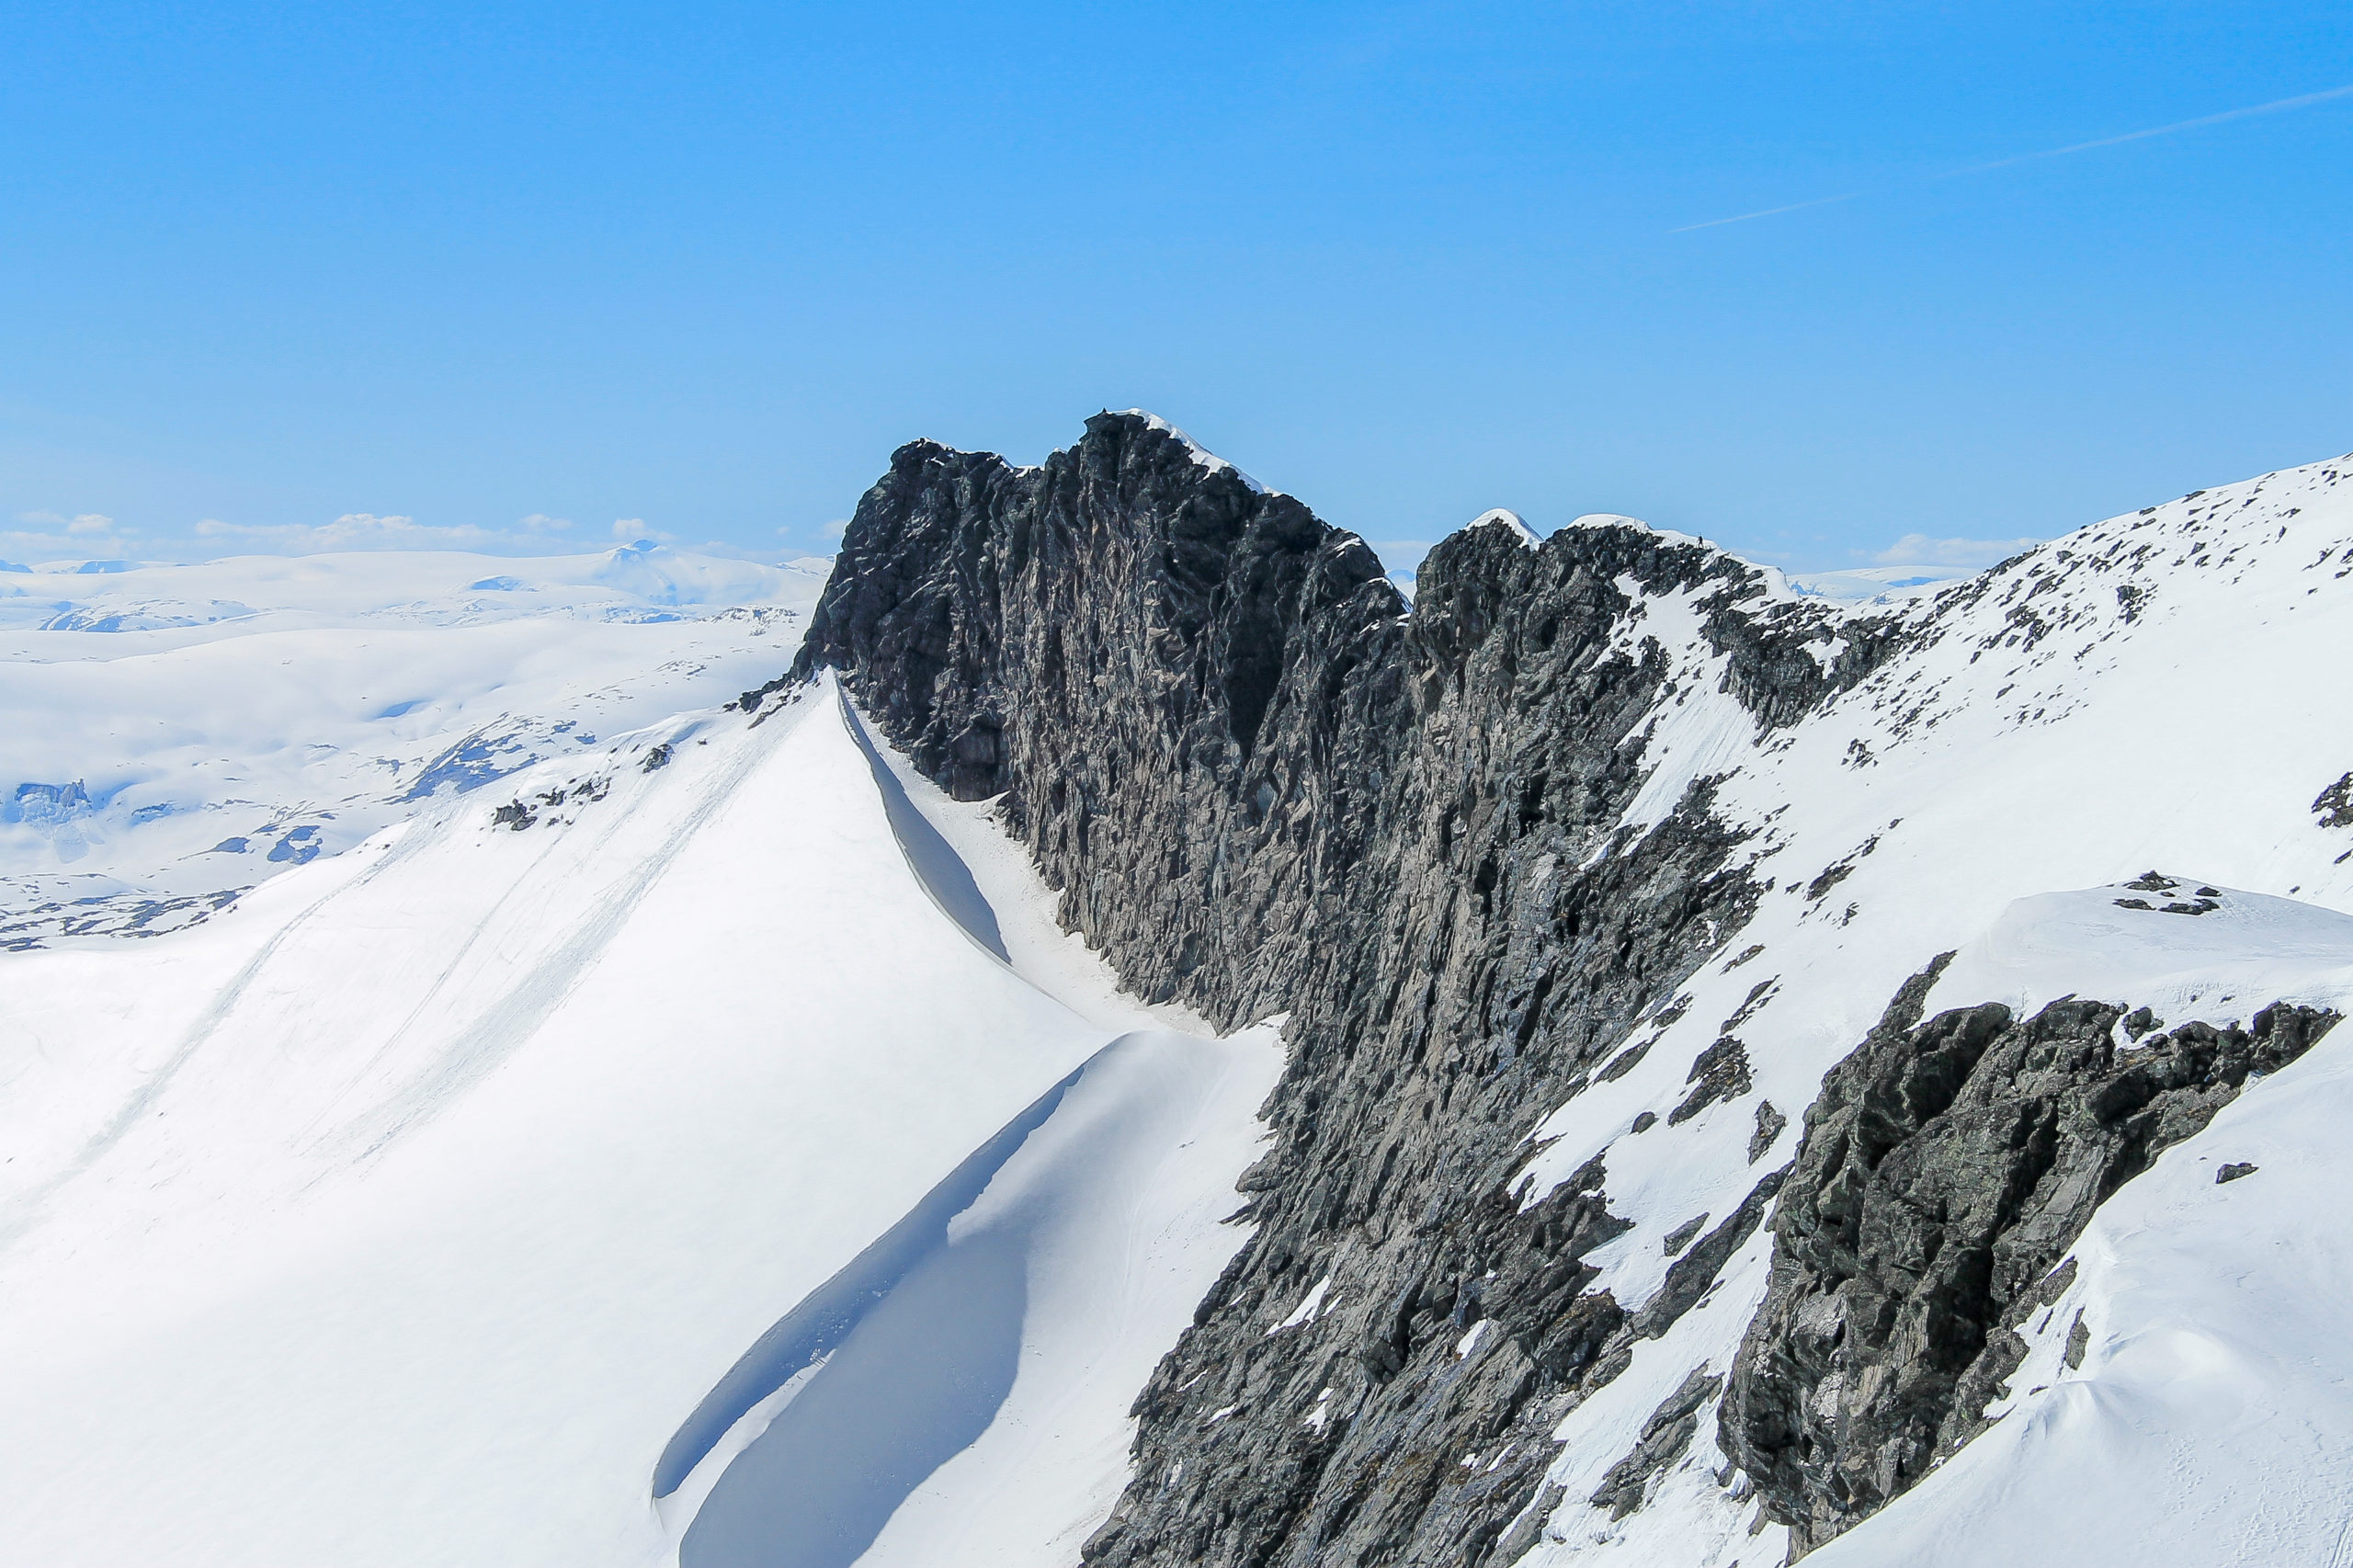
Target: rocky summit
1576,882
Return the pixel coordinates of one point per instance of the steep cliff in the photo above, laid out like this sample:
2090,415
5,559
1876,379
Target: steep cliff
1498,856
1263,785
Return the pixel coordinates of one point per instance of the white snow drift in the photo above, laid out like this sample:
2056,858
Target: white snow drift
402,1213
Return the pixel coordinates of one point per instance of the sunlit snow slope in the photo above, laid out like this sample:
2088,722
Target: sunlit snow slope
410,1210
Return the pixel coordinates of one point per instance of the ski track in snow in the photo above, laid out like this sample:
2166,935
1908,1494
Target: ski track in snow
20,1211
523,1005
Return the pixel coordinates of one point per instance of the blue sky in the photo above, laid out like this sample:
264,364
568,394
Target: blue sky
517,275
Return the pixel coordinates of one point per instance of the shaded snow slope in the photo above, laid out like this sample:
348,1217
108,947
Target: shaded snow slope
177,732
976,1413
1117,1206
403,1212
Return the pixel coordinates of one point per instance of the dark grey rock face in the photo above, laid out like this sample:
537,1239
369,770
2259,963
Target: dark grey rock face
1260,785
2334,805
1945,1170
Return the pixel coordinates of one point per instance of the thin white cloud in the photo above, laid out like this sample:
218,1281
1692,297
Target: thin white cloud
53,535
86,523
56,539
1402,556
628,529
835,529
1919,550
353,531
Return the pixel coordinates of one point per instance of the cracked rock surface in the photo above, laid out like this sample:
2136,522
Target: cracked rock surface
1945,1170
1260,785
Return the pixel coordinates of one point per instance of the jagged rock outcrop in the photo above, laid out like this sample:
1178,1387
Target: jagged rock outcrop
1945,1170
1261,785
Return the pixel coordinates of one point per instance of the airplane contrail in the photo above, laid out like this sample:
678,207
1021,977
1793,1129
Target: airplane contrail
1769,212
2277,106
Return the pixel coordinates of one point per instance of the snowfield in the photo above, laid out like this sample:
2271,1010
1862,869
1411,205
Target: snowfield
404,1210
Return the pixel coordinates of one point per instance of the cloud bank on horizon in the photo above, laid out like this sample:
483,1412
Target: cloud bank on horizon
47,539
53,539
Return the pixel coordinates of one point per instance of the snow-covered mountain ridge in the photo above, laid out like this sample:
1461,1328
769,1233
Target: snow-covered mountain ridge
1575,882
417,1207
1742,1085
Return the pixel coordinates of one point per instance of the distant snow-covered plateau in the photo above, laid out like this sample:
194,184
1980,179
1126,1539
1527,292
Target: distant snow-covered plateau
1089,1028
176,733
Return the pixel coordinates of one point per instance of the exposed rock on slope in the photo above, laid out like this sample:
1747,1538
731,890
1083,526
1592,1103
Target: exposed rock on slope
1261,785
1500,859
1946,1169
